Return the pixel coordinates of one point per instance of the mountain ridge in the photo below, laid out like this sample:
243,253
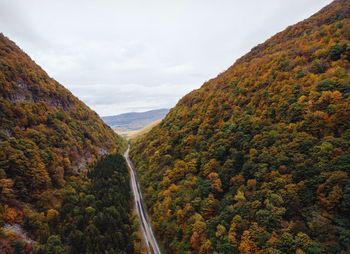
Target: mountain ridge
58,160
258,158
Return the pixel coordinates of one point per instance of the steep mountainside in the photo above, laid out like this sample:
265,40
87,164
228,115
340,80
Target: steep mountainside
45,132
258,159
135,120
47,138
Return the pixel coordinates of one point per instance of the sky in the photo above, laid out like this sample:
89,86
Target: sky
135,55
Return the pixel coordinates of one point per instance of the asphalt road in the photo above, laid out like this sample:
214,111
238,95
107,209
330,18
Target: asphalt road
151,242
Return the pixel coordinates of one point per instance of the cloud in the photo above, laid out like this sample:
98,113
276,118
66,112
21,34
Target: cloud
119,55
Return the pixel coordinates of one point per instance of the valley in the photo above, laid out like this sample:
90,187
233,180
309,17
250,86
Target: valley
133,134
133,124
256,160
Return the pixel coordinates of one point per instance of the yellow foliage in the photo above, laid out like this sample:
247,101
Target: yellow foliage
239,197
52,214
215,181
220,231
247,245
12,215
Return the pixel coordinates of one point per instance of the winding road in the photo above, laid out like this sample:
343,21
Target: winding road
151,242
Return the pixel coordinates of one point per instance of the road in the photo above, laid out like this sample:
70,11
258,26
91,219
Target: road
151,242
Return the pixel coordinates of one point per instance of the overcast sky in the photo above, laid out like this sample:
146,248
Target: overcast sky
136,55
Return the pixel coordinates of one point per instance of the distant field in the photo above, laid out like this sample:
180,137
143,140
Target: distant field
131,134
133,124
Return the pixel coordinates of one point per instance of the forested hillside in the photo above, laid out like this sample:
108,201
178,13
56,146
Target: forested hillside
48,139
258,159
95,213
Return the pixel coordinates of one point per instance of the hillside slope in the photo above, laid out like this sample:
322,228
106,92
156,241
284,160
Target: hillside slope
258,159
37,113
48,137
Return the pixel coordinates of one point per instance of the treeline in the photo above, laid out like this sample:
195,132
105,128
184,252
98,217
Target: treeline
94,216
258,159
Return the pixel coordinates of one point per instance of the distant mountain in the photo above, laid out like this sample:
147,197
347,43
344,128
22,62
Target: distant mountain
135,120
258,159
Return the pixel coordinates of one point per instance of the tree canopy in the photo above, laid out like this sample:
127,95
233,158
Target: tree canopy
258,159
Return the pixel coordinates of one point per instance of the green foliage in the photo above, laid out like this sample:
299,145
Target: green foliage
336,51
257,160
94,216
53,246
